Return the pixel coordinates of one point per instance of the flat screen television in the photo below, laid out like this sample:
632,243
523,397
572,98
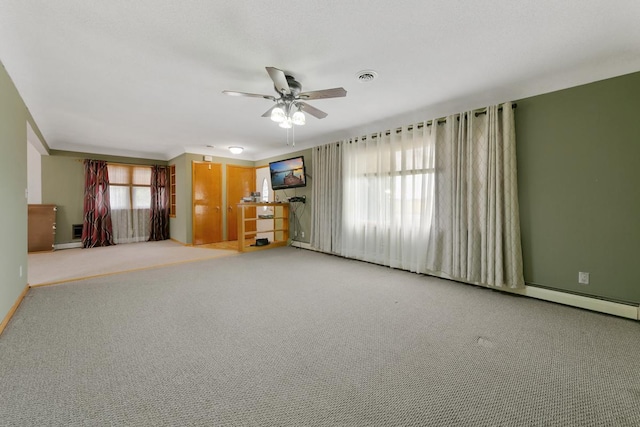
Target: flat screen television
289,173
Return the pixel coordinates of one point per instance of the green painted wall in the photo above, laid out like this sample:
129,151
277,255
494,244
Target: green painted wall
63,185
13,211
579,177
301,218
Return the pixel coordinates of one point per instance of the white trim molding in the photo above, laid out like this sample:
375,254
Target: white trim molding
302,245
589,303
71,245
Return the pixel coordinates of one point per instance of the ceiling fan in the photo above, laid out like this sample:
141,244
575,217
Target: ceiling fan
290,104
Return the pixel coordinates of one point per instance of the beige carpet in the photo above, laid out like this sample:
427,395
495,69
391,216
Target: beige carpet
289,337
74,264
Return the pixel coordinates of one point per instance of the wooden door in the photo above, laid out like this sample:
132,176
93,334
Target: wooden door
207,202
241,181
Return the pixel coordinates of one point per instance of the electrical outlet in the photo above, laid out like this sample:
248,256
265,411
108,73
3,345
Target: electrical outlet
295,233
583,278
303,234
20,271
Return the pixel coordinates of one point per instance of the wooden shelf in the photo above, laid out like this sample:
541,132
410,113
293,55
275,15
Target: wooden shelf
279,225
172,191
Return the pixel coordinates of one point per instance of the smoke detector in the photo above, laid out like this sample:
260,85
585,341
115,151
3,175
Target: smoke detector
365,76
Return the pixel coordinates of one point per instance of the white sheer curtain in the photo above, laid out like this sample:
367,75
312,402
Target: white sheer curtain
130,189
388,198
437,198
326,214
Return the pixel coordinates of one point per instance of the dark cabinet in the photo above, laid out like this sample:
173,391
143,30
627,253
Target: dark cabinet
41,228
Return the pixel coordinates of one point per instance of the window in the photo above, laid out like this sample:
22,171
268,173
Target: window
172,191
388,184
130,197
392,187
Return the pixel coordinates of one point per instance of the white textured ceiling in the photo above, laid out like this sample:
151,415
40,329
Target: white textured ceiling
144,78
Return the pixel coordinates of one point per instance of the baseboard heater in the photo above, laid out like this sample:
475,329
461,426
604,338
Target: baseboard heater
76,234
603,306
589,303
76,231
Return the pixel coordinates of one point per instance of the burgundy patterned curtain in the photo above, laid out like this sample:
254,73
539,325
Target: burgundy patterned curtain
159,203
96,228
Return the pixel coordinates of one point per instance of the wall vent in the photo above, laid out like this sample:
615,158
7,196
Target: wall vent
365,76
76,231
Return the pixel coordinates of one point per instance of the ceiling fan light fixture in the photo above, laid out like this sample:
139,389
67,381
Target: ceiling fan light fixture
277,115
286,123
290,107
298,118
236,150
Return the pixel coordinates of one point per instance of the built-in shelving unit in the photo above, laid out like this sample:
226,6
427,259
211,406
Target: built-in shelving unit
275,214
172,191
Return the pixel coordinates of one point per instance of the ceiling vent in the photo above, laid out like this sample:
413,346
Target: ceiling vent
366,76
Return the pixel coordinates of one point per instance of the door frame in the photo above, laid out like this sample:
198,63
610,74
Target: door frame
193,210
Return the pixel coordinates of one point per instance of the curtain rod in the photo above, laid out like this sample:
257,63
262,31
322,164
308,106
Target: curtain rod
438,121
444,120
121,163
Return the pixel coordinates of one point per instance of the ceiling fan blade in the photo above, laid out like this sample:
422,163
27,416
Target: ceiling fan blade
279,80
268,112
312,110
250,95
336,92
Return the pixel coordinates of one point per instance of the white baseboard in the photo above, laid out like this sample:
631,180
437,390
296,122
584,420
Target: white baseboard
303,245
594,304
71,245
